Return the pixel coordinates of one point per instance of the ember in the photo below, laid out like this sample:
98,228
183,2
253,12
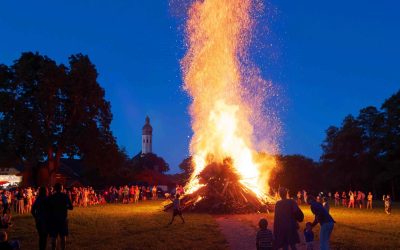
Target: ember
227,105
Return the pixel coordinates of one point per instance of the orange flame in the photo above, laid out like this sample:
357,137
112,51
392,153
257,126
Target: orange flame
223,112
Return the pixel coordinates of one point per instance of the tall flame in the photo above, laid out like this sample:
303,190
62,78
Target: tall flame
223,110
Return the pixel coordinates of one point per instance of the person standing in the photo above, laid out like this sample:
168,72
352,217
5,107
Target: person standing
325,220
369,198
137,193
359,199
4,199
305,196
58,205
344,199
20,197
154,193
264,238
388,204
286,218
337,199
299,198
351,202
40,213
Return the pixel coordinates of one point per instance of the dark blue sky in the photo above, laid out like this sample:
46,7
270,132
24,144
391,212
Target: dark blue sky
328,59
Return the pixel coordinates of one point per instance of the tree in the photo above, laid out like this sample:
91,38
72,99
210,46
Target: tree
296,172
187,166
365,151
52,110
149,161
391,145
341,150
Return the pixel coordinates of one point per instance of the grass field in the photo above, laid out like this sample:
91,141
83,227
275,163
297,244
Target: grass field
143,226
120,226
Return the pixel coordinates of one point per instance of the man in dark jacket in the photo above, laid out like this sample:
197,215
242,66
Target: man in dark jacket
325,220
58,204
287,216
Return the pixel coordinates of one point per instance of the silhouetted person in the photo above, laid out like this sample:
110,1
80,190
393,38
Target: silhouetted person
59,203
7,245
325,220
4,200
264,238
287,216
40,213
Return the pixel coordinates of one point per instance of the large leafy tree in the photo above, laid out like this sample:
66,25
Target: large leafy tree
296,172
50,110
342,147
149,161
365,151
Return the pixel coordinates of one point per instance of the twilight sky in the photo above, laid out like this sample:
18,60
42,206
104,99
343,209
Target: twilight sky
328,59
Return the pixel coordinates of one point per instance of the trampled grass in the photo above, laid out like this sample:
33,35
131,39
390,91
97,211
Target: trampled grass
365,229
118,226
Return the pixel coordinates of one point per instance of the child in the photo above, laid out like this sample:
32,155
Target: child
6,244
177,209
6,221
264,236
309,236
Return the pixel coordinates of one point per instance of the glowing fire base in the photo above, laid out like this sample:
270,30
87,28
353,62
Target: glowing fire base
223,193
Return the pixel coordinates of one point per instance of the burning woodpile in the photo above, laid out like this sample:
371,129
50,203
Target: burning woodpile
222,192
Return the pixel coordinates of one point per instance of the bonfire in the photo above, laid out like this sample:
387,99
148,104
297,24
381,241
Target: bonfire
222,192
227,107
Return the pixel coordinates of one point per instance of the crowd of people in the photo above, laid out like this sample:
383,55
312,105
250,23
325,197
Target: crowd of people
350,199
49,207
20,200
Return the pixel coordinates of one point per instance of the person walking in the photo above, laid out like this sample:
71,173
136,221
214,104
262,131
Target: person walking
286,218
59,204
177,210
325,220
40,213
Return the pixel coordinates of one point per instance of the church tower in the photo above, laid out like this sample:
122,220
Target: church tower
147,132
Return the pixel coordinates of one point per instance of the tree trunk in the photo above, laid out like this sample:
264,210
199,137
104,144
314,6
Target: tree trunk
393,189
53,165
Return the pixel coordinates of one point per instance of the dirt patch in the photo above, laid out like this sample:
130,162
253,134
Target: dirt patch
240,230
